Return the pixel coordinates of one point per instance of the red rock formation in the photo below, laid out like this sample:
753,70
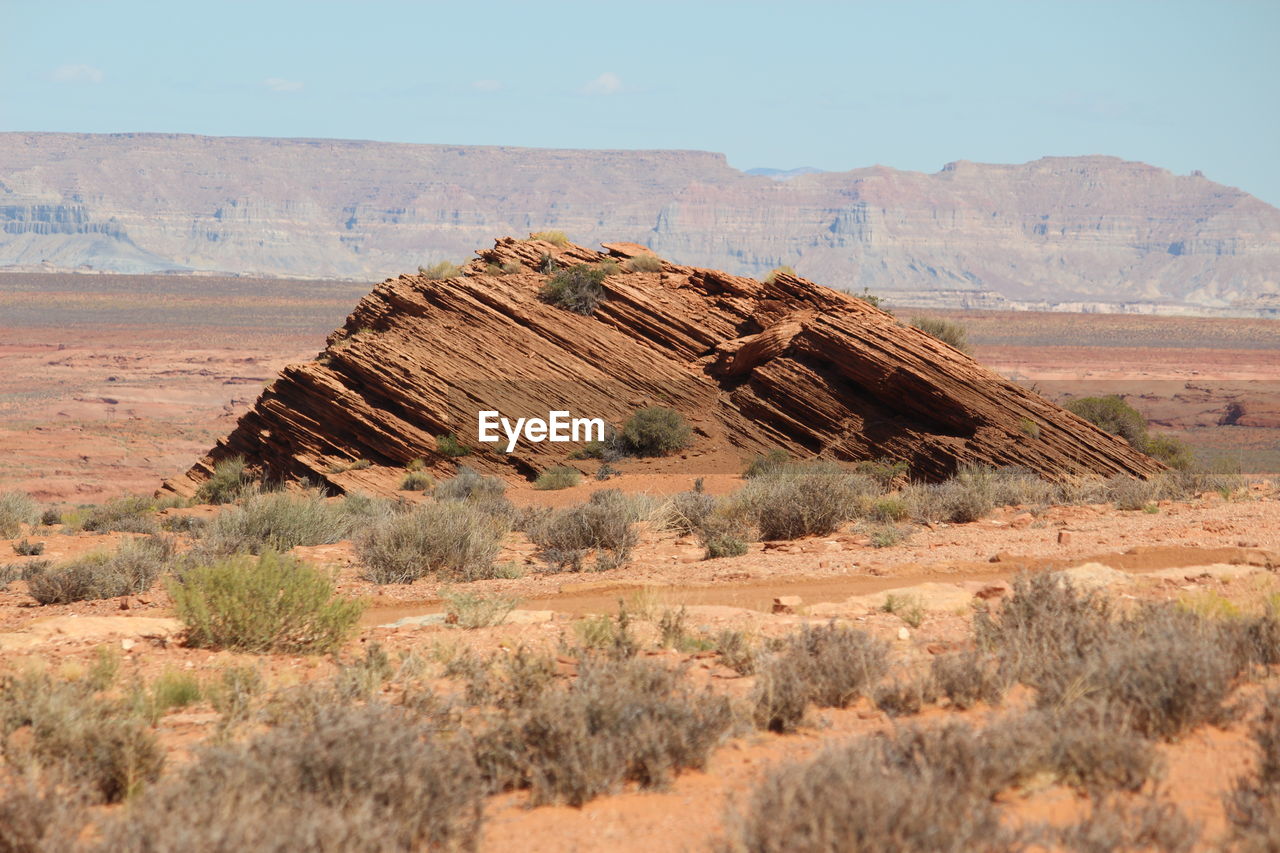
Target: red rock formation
754,366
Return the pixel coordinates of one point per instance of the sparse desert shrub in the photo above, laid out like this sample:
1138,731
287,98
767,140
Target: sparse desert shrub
557,477
905,607
275,603
417,481
364,777
440,271
453,539
1029,428
947,331
1165,672
27,548
737,651
767,463
1113,824
1112,414
970,494
643,263
579,289
620,721
1012,485
556,238
171,689
278,521
1131,493
50,517
130,570
448,445
828,666
92,740
512,268
968,677
1174,452
686,512
604,524
16,509
904,697
468,610
37,815
862,798
1253,806
884,470
776,271
889,509
1159,671
724,532
804,499
655,431
123,515
229,481
469,484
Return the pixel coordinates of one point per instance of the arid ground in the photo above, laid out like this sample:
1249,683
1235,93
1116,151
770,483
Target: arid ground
110,384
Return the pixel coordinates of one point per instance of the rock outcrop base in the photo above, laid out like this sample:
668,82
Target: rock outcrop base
753,366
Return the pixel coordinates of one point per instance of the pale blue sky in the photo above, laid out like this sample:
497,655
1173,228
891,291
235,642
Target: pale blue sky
1183,85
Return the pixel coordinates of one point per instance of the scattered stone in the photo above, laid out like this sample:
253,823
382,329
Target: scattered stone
786,603
903,633
1064,537
1021,521
1094,576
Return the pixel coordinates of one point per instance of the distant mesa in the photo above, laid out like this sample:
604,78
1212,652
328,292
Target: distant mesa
784,174
1060,233
753,366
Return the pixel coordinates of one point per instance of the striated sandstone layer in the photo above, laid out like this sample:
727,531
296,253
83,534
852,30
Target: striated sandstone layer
787,364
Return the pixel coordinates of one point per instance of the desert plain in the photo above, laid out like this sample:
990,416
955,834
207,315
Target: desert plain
111,384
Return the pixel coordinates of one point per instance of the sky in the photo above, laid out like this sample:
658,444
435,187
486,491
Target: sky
912,85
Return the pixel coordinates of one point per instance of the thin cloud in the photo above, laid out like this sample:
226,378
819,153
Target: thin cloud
77,74
607,83
279,84
487,85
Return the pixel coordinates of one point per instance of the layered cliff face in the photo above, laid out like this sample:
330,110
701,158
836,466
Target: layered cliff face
1056,230
754,366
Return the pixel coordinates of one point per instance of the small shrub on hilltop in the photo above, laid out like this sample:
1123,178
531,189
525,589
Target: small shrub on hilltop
454,539
557,477
16,509
131,570
555,238
229,482
947,331
1117,417
776,271
656,431
644,263
275,603
440,271
604,524
578,289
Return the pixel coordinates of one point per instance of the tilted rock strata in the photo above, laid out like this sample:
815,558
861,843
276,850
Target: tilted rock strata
754,366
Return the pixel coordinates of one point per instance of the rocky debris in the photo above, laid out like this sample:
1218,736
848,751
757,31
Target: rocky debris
753,366
786,604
